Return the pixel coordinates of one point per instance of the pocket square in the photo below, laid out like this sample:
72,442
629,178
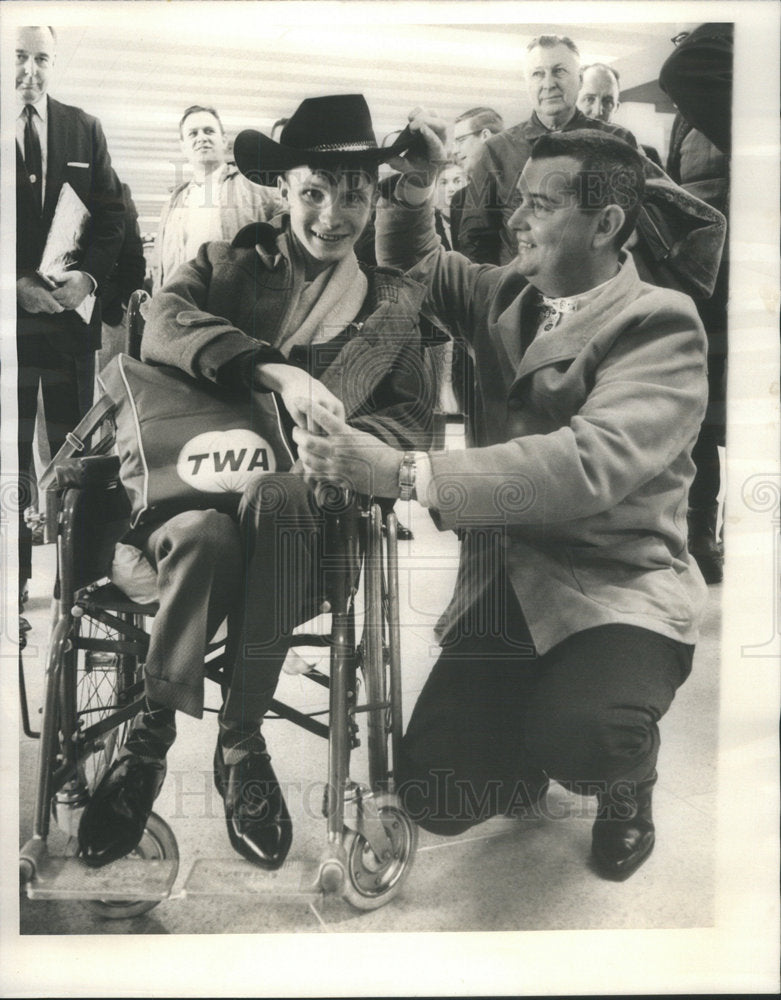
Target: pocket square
73,163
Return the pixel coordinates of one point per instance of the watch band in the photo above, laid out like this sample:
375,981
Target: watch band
407,476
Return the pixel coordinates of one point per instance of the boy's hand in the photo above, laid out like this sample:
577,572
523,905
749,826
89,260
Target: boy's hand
299,391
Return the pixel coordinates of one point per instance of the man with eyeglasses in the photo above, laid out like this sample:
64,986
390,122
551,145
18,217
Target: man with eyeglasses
553,77
470,130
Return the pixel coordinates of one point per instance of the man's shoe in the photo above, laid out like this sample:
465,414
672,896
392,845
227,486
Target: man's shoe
116,815
259,824
623,834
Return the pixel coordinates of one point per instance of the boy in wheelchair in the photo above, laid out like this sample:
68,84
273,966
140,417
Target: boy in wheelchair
286,308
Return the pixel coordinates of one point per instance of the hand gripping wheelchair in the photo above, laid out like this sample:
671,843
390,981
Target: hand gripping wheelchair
94,688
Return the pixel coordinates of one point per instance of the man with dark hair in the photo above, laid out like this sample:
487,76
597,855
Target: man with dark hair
215,203
470,130
553,78
58,147
576,606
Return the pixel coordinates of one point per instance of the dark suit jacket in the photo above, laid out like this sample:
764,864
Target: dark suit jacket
77,153
128,273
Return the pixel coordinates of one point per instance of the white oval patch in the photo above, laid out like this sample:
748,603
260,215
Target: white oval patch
223,461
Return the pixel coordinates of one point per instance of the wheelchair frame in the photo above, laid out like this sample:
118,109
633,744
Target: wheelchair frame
94,687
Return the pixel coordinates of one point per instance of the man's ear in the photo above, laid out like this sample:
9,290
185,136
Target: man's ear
611,219
283,186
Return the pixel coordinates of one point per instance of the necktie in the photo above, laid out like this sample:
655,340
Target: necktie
32,153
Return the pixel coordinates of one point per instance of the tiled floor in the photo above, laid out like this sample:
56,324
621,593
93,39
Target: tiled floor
506,874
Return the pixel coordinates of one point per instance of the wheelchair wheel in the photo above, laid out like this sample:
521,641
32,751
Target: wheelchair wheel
371,881
157,844
102,681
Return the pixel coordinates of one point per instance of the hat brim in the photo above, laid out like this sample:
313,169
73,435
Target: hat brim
262,160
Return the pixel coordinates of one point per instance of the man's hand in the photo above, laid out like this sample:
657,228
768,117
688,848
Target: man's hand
422,163
73,288
342,454
298,391
34,298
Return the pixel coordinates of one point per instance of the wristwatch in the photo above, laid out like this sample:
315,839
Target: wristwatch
407,475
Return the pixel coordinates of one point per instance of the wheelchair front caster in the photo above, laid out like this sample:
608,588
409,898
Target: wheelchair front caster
157,844
372,881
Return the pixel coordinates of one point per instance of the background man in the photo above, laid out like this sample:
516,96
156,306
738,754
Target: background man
698,77
215,203
470,131
56,145
576,605
552,72
598,97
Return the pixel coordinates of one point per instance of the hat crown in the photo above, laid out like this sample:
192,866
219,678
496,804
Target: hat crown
333,123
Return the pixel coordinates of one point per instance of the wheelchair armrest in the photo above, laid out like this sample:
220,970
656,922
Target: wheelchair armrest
92,470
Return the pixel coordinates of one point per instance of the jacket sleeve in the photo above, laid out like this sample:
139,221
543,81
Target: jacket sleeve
457,290
107,208
480,229
180,331
400,409
644,410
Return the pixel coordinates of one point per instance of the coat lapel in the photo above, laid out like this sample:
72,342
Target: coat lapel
393,313
574,331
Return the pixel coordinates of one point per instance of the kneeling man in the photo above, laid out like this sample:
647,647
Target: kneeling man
576,607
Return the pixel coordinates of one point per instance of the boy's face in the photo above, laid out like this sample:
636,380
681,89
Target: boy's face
328,212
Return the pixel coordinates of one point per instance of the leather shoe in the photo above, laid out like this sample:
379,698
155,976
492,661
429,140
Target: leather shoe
259,824
116,815
623,834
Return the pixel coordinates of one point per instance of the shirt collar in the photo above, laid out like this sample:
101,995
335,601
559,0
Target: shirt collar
572,303
214,178
41,106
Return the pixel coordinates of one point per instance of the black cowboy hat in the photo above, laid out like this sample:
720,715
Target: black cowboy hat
323,133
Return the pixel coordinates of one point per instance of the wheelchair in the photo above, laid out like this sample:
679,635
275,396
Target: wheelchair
94,688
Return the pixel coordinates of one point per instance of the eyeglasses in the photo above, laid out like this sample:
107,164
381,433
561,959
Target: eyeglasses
680,37
457,140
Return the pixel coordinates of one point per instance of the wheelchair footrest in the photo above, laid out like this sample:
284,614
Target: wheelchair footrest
237,877
126,879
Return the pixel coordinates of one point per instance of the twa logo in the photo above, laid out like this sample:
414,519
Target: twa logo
223,461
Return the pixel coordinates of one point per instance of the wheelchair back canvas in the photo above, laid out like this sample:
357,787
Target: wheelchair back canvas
185,444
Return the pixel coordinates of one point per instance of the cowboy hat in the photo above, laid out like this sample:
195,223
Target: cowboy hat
323,133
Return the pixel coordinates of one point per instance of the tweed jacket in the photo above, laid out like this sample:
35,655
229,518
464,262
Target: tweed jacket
584,442
227,306
77,155
241,202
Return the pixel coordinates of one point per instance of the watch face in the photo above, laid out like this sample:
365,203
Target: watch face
407,471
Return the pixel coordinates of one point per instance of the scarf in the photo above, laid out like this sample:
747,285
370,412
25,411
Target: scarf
326,305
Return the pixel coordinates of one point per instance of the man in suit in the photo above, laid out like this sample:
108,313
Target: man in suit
553,78
576,607
56,145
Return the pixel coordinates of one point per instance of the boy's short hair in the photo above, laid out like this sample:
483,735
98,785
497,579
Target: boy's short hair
611,171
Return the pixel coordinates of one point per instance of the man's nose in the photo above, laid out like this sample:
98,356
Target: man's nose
518,218
29,66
